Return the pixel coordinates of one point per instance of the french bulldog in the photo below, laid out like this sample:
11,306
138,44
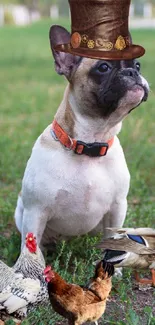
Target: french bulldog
64,193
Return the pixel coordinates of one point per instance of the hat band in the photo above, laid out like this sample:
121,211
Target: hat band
83,41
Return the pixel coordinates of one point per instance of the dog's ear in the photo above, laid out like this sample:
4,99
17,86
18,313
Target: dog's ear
65,63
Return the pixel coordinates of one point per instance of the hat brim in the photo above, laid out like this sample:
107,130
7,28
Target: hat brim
129,53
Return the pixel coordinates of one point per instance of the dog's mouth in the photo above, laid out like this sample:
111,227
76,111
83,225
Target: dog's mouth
138,89
139,94
121,94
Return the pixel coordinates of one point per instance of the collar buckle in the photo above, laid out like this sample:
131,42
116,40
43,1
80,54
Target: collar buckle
96,149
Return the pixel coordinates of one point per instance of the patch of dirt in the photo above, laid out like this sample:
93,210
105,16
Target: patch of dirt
9,230
136,300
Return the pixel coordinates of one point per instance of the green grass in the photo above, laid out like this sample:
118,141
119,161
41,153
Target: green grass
30,93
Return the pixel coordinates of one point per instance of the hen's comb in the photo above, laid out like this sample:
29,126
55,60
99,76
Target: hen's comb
30,235
47,269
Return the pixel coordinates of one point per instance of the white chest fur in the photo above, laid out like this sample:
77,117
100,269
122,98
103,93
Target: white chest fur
74,191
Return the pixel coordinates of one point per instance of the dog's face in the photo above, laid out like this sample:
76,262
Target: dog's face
107,89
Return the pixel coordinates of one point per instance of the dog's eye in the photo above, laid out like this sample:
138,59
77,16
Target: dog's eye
138,66
104,67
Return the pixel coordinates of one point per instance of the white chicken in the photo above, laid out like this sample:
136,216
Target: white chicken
23,286
7,275
18,296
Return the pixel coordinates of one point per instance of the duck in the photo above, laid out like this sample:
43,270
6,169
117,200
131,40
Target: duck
131,247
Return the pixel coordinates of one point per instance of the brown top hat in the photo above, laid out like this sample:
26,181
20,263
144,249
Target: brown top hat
100,30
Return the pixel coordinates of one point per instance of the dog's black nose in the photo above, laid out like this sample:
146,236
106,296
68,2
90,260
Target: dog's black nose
130,72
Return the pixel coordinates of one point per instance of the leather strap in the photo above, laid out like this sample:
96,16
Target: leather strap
95,149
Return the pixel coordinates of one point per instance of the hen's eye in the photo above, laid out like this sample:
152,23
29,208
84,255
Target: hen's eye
138,66
104,67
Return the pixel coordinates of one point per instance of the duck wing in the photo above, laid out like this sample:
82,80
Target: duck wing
127,243
134,231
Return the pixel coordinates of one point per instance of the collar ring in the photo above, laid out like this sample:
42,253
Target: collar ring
71,144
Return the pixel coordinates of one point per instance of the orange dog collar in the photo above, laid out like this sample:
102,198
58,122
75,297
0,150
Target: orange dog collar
95,149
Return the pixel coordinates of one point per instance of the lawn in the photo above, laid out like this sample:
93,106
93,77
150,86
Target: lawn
30,93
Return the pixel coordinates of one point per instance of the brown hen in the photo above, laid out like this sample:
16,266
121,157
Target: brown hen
76,303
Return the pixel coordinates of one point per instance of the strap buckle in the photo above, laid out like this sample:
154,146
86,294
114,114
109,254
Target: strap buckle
96,149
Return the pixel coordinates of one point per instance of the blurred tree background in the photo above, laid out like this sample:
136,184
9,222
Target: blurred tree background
139,5
60,8
43,6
